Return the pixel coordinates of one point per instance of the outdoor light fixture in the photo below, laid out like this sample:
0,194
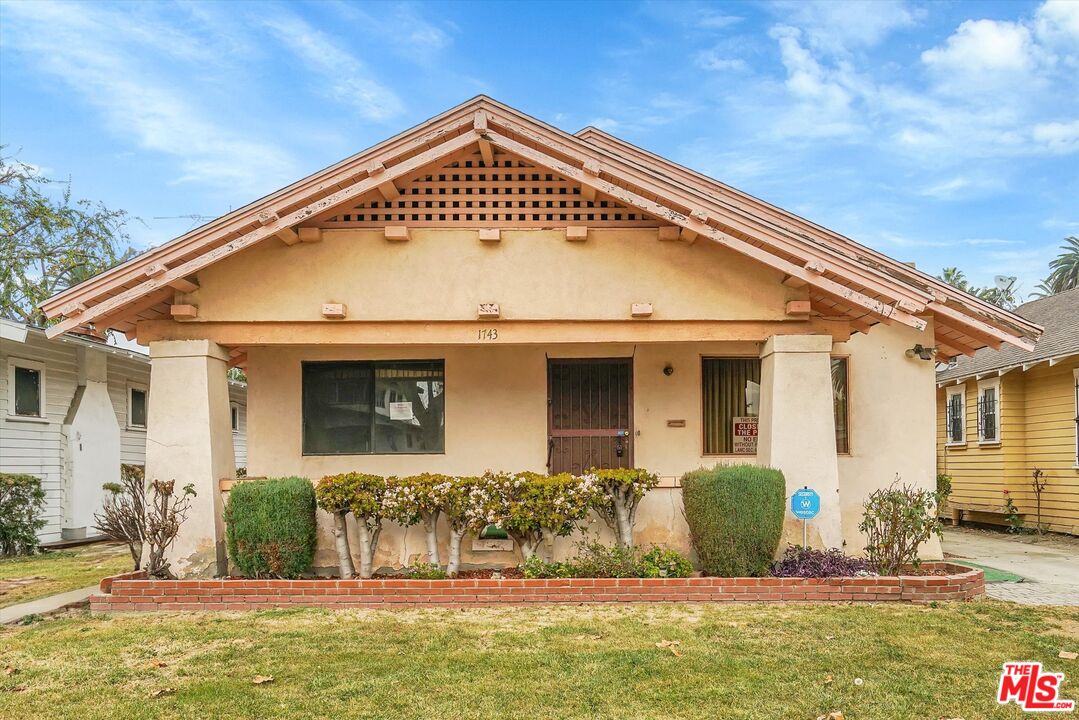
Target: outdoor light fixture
668,370
925,353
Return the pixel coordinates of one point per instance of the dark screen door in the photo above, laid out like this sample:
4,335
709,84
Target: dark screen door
590,414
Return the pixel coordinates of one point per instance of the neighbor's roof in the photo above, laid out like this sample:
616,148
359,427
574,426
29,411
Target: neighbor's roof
1058,314
843,279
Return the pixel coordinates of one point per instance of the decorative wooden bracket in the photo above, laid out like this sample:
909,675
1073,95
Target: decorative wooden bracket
798,307
490,235
334,311
184,285
183,312
286,234
397,233
641,310
479,125
669,232
489,311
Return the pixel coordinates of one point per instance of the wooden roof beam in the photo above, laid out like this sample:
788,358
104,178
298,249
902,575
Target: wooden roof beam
286,234
834,289
161,295
978,329
479,126
234,246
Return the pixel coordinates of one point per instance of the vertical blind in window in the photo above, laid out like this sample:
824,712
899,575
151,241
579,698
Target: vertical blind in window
730,388
353,408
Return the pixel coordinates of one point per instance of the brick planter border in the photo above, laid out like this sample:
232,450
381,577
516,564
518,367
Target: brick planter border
133,592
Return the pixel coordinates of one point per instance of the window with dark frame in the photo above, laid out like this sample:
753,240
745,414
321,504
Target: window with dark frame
840,404
730,388
987,414
954,417
137,405
374,407
235,417
28,392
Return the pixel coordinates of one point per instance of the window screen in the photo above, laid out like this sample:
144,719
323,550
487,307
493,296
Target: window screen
731,389
138,407
380,407
28,392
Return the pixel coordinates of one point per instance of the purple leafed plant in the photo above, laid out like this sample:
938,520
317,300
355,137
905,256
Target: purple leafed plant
810,563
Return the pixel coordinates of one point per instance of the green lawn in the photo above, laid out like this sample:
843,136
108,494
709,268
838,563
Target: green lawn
59,571
738,661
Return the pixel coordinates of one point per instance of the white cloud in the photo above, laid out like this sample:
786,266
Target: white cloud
114,65
1058,137
712,60
341,75
837,27
716,21
963,187
985,56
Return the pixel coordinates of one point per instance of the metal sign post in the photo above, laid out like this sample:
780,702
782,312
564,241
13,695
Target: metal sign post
805,505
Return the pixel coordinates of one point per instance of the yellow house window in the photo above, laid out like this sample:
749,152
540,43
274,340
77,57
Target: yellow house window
955,416
989,411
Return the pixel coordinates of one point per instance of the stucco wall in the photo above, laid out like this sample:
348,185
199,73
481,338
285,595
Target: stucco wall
532,274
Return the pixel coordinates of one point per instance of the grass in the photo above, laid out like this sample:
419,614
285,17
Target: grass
60,570
748,661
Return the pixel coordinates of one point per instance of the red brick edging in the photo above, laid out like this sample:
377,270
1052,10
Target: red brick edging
130,592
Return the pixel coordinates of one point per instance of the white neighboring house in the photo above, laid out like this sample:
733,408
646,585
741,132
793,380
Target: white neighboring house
72,410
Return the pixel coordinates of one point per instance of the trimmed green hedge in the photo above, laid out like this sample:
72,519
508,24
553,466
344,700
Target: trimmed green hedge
270,527
735,517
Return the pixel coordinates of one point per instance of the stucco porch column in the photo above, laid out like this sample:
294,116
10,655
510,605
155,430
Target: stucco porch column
796,432
189,440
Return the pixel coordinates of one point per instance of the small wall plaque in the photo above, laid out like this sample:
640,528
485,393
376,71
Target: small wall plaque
489,310
492,545
641,310
676,423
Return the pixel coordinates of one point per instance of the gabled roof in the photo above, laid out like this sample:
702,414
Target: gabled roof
1058,314
844,279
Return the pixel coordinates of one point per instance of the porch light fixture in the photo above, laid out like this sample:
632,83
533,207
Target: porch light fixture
668,370
925,353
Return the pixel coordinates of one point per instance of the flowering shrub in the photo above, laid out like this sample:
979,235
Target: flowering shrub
809,563
418,499
619,493
362,495
425,571
466,503
596,560
536,568
532,507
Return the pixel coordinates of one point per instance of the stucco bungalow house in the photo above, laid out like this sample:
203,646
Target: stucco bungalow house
1003,413
73,408
486,291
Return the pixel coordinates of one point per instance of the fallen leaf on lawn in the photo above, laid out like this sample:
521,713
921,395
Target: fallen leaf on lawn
157,663
837,715
1065,655
829,637
262,679
858,681
828,680
671,645
16,688
162,692
10,670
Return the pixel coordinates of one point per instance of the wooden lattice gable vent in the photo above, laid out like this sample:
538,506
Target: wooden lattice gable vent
508,192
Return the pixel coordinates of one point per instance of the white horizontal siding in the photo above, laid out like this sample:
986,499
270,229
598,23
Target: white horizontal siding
38,448
122,373
238,395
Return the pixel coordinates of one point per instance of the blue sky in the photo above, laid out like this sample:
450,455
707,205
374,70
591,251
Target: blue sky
941,133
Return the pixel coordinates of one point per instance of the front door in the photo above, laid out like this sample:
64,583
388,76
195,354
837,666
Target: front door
589,414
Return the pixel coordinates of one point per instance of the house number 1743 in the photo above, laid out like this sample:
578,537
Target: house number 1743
488,334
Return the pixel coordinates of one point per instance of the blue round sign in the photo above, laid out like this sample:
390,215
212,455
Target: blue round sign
805,504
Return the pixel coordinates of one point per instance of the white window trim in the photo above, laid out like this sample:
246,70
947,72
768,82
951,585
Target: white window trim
146,390
235,406
961,391
993,383
43,408
1075,372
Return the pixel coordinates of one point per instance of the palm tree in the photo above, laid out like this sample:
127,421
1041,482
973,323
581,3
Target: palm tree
955,278
1063,270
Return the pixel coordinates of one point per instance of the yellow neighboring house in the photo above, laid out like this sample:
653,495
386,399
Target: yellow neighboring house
1003,413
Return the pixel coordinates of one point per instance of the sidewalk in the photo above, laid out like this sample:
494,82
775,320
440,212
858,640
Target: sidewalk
44,605
1048,565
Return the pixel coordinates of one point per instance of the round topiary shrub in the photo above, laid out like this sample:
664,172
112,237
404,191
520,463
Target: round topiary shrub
735,517
270,527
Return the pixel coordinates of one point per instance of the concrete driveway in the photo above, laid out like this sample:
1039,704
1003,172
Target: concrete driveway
1049,565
